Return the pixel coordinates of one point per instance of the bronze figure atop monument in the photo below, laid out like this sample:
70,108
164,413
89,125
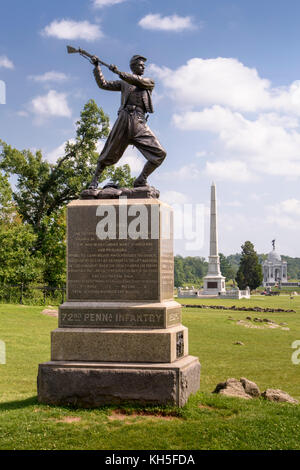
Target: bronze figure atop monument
131,126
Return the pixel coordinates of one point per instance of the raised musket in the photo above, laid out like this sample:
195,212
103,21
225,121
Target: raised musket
72,50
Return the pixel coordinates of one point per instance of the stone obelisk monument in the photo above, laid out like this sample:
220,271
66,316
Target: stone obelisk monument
214,282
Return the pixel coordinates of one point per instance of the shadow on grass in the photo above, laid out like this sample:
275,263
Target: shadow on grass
17,405
124,408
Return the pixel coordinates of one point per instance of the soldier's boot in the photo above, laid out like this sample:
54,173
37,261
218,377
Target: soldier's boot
94,183
141,180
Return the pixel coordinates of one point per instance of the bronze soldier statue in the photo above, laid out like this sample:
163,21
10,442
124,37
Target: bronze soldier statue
131,126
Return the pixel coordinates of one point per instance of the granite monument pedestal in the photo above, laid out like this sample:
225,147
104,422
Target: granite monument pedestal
120,337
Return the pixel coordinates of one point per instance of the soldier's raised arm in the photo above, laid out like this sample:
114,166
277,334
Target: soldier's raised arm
113,85
137,80
133,79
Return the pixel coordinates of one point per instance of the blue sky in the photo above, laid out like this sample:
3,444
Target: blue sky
227,99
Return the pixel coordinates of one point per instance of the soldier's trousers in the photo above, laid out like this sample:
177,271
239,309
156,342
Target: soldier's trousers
131,129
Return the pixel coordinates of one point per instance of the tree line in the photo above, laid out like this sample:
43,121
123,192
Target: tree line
243,268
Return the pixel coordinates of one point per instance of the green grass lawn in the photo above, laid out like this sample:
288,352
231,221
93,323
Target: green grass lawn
208,421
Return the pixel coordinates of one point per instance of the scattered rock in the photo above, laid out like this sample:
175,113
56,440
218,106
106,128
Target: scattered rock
219,387
241,309
277,395
247,324
248,318
239,343
250,387
264,324
283,324
285,328
247,389
232,388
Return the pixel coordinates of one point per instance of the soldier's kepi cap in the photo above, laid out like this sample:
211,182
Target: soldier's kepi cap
135,58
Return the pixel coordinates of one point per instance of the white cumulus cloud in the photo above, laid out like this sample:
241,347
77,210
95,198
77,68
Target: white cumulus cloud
229,83
106,3
184,173
173,23
132,158
289,206
174,197
257,125
214,119
51,76
233,170
51,104
269,144
58,152
70,29
5,62
285,214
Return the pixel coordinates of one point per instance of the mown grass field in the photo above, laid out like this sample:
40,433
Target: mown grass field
208,421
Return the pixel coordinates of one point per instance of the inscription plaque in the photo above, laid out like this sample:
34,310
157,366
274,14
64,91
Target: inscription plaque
212,285
125,318
120,268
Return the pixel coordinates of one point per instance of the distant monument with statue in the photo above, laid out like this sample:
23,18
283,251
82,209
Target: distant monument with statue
274,269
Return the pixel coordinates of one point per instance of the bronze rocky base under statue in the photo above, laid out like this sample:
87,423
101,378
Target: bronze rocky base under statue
109,192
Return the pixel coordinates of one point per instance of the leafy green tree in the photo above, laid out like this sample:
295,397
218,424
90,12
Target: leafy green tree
227,270
44,189
250,269
17,263
7,208
189,270
120,175
293,267
53,248
179,277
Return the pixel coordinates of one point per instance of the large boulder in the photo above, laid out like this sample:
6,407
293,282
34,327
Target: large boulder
274,394
232,388
250,387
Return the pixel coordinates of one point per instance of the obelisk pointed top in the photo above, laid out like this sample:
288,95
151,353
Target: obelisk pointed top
213,183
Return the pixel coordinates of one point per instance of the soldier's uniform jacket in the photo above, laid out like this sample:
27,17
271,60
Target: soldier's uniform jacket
129,83
131,126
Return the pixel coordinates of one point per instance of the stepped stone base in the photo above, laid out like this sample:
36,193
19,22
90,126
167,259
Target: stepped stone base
119,314
112,345
96,384
120,337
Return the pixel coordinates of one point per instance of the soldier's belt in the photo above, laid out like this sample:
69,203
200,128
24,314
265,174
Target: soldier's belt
131,108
